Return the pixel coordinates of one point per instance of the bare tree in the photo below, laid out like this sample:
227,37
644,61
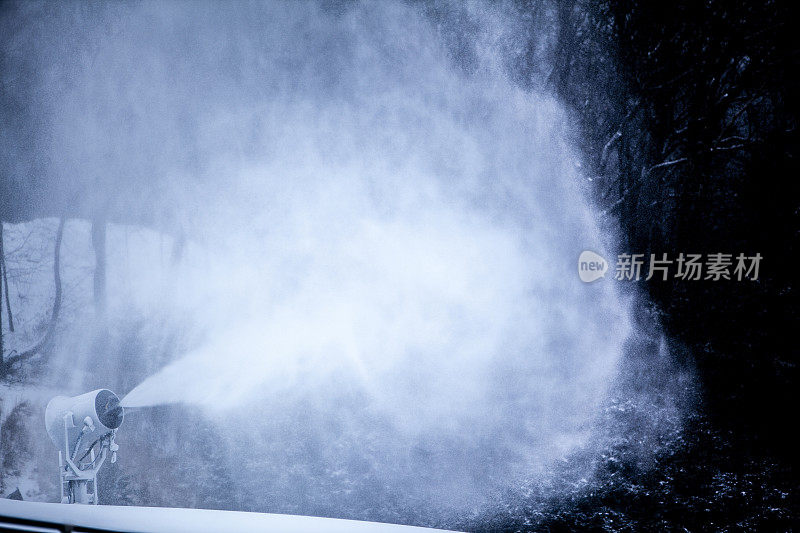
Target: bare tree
6,367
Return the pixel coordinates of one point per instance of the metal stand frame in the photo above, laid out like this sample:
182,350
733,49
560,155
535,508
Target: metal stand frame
79,485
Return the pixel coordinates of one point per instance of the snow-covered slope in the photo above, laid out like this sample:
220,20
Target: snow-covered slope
161,519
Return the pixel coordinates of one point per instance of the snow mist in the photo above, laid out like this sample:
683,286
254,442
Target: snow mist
381,238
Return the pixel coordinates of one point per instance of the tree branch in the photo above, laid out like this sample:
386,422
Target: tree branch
668,164
51,328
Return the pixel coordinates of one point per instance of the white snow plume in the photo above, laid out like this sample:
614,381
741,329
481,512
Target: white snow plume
380,239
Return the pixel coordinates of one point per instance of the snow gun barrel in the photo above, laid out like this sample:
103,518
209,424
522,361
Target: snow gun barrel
83,428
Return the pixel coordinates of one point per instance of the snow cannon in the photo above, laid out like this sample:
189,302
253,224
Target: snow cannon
83,429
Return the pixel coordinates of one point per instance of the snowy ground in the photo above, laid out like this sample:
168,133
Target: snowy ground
158,519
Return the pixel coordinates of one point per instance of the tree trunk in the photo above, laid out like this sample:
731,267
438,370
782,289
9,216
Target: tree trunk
4,268
1,294
99,245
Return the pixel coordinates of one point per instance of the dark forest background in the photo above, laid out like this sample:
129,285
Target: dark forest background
696,152
687,112
689,116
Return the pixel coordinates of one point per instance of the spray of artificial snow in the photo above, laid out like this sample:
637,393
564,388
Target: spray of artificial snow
381,242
